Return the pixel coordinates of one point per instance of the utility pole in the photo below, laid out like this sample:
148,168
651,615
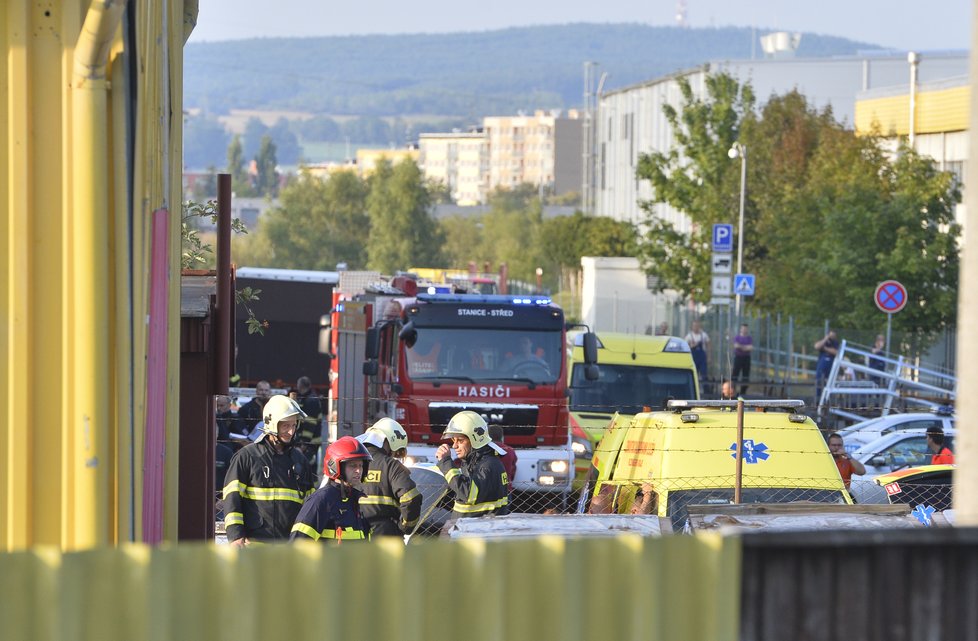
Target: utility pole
966,443
587,169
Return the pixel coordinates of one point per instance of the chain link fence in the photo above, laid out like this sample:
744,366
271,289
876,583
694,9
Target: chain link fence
668,495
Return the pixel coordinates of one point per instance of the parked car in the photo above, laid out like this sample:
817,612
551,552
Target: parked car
895,451
859,434
929,485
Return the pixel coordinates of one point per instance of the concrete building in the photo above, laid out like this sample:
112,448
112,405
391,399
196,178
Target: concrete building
629,121
523,149
460,161
367,159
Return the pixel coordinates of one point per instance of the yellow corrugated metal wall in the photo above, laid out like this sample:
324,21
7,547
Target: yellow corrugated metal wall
75,252
938,111
678,588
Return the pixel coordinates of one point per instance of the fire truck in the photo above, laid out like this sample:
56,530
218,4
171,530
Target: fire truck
421,355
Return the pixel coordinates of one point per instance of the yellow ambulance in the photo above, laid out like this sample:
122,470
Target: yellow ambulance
686,455
635,373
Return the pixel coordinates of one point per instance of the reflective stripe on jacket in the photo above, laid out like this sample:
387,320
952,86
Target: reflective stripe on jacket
480,484
331,514
263,492
392,502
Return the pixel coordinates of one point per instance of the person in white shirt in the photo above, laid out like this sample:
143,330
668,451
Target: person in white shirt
699,342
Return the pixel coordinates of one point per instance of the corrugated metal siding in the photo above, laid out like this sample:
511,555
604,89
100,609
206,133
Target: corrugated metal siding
42,174
622,588
937,111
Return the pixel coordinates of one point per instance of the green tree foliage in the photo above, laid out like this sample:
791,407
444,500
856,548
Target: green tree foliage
204,140
828,214
402,231
565,239
316,225
287,148
240,181
254,131
511,230
695,177
463,241
266,162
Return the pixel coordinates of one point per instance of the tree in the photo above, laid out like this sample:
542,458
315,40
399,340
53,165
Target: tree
287,148
828,215
316,225
463,240
266,163
254,131
204,140
402,231
697,178
240,182
511,230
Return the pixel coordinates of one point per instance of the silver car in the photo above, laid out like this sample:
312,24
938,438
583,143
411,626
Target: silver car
891,452
864,432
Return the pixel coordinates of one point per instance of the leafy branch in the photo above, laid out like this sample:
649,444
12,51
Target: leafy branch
197,253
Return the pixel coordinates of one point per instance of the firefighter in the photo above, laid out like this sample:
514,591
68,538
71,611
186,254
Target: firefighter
268,480
333,512
481,483
392,503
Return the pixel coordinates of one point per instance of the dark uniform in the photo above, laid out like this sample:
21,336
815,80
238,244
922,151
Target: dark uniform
331,514
249,415
392,502
263,491
481,485
310,433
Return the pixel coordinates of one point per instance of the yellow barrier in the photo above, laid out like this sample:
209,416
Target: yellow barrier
675,588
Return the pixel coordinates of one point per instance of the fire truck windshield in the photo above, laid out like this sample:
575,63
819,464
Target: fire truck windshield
485,355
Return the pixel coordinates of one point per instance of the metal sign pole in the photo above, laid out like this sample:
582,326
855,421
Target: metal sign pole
889,324
739,478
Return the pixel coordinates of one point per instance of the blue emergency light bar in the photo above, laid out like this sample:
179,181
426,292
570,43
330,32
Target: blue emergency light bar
488,299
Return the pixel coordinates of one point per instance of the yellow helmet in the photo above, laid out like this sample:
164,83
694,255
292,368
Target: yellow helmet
386,429
277,408
470,425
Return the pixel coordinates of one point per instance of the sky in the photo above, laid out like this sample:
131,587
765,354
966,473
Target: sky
921,25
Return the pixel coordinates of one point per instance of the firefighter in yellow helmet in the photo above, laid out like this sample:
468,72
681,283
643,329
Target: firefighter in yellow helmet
480,484
392,503
268,480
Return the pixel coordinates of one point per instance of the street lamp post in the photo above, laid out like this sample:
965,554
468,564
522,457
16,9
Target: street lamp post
739,149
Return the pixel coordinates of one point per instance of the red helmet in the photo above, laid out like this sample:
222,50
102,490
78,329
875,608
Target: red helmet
344,449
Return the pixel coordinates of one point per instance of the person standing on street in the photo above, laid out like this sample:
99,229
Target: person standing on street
699,342
847,466
743,344
332,513
935,441
828,348
481,484
250,414
391,502
876,358
309,436
268,480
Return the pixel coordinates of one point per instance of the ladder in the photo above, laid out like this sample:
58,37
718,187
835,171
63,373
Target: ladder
900,380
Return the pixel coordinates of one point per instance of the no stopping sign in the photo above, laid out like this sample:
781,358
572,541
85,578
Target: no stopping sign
890,296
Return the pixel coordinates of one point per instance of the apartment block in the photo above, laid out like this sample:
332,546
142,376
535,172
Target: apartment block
523,149
459,161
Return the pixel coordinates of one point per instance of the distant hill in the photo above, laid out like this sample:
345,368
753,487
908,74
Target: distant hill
463,75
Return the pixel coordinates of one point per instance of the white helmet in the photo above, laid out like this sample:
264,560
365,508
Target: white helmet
386,429
472,426
278,407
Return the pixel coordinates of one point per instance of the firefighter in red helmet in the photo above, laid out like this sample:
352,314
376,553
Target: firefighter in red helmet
332,513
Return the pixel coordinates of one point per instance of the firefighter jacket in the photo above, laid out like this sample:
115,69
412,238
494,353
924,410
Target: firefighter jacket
481,485
263,491
310,428
392,502
332,514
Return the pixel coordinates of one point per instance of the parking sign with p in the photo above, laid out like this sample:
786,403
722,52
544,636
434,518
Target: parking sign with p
722,237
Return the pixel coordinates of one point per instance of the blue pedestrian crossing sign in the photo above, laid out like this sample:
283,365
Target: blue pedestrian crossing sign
744,285
722,237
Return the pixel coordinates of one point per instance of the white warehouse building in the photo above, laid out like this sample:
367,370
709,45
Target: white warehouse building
629,121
